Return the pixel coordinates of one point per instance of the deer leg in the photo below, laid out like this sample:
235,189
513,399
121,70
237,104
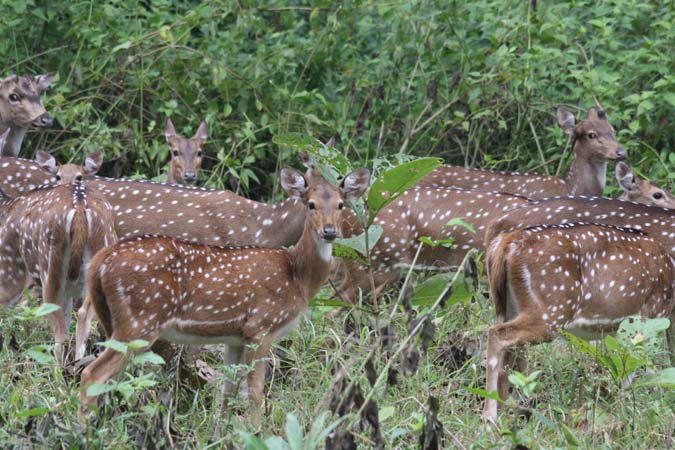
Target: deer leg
256,378
53,293
522,330
233,355
670,340
106,366
85,315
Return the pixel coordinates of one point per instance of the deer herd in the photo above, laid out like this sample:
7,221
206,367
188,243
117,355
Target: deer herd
168,261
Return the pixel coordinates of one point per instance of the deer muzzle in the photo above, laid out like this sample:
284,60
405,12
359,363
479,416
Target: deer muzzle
44,121
621,154
329,233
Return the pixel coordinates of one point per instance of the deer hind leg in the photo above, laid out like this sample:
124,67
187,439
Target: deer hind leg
85,315
514,359
106,366
53,292
256,378
501,338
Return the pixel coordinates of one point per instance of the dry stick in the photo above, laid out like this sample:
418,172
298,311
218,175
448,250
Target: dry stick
413,334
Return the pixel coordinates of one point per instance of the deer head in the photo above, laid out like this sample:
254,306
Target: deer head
69,173
186,153
593,137
639,190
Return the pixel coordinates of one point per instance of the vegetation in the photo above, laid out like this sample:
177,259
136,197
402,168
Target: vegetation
475,83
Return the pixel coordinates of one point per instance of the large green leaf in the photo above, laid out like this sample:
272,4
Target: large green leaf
393,182
663,378
358,243
428,291
294,434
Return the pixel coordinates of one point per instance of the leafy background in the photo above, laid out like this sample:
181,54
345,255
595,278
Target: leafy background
475,83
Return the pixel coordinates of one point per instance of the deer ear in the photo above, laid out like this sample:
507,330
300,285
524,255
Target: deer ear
625,176
566,120
355,184
293,182
92,162
202,133
3,138
46,161
169,130
43,81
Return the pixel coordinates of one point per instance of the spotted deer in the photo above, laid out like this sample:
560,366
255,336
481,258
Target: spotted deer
579,277
639,190
158,287
47,236
658,223
424,212
186,153
21,108
594,144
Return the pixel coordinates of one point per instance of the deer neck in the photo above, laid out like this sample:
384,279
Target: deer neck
283,223
13,142
312,260
586,177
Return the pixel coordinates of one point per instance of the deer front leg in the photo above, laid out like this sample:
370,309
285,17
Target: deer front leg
256,378
106,366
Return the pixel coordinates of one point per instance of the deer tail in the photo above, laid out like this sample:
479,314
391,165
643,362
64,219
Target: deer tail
95,295
497,268
79,234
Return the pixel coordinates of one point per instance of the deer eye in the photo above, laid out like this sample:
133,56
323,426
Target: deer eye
311,205
78,178
174,152
341,205
592,135
13,97
199,154
58,177
657,195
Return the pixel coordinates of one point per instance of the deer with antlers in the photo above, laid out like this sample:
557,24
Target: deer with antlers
21,108
158,287
186,153
594,143
47,236
424,212
580,277
639,190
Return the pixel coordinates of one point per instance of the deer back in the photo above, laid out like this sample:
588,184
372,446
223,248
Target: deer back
659,223
208,216
18,175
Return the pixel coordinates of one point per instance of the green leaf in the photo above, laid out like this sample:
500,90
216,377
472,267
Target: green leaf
386,413
33,412
137,344
148,358
428,291
294,433
99,388
358,243
122,46
663,378
227,110
40,355
435,243
393,182
494,395
276,443
46,308
341,251
459,222
115,345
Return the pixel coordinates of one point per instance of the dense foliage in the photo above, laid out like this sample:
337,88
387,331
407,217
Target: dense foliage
473,82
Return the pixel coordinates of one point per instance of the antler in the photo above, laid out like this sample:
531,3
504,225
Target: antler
597,103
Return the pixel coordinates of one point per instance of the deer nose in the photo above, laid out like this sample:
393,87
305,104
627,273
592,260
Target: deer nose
621,154
44,120
190,175
329,233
